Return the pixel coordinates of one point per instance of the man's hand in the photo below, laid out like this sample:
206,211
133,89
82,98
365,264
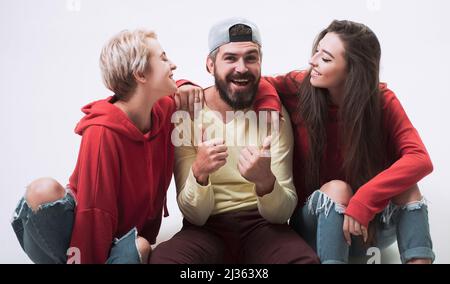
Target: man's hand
187,96
211,156
254,166
353,227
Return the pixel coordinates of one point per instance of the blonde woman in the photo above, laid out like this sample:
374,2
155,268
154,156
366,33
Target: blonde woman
111,209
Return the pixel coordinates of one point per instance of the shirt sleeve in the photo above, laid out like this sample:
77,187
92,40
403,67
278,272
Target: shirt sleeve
278,206
95,221
266,97
412,165
195,201
287,87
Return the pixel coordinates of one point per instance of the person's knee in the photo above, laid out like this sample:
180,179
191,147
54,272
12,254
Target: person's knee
42,191
339,191
412,194
144,249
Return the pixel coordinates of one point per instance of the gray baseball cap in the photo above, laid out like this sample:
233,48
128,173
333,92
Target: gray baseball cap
220,33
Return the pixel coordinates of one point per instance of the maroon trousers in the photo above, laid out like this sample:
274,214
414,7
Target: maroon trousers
239,237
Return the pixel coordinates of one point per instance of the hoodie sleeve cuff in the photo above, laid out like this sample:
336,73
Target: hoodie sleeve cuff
183,82
359,212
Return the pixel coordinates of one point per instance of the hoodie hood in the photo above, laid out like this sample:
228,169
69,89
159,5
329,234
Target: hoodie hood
104,113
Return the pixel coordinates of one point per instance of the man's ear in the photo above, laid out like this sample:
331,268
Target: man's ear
139,77
210,65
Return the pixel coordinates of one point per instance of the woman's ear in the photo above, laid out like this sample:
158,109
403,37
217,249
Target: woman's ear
139,77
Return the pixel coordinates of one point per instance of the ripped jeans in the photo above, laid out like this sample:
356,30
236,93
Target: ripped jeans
45,235
321,220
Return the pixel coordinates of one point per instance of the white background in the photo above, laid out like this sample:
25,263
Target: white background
49,70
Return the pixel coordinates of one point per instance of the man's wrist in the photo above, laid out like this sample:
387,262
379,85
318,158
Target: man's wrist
201,179
265,186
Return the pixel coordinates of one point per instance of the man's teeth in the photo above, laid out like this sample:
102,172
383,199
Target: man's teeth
241,82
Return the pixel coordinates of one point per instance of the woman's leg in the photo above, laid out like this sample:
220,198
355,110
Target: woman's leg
320,221
43,221
130,249
413,232
43,224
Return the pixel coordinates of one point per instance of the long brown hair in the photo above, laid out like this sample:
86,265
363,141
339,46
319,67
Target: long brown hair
360,115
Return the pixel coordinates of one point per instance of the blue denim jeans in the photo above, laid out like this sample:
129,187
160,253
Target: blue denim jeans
45,235
321,220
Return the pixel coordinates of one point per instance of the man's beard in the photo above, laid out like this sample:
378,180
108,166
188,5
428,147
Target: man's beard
237,100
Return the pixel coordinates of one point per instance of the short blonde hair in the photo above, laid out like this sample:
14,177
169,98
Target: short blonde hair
126,53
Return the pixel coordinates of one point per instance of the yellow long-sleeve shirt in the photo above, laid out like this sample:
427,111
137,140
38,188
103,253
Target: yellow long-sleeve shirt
227,190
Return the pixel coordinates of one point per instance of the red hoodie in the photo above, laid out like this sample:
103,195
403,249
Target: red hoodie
410,160
121,177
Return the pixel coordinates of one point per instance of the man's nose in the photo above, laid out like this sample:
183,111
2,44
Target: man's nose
241,67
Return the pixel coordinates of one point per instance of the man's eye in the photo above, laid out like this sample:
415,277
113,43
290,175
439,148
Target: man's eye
230,58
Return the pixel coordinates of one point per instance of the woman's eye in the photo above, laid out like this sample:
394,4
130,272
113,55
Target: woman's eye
326,60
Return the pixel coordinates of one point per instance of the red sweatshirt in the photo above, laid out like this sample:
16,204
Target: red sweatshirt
121,177
410,158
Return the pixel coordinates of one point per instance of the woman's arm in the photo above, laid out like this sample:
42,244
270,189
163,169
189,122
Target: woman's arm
287,86
412,165
96,212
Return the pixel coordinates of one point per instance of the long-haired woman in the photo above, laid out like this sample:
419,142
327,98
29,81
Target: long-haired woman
357,158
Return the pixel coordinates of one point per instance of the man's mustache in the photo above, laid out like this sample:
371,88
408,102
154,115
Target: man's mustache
241,76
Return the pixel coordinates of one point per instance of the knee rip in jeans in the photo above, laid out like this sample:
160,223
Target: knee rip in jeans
23,201
23,205
392,208
324,202
24,211
134,232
